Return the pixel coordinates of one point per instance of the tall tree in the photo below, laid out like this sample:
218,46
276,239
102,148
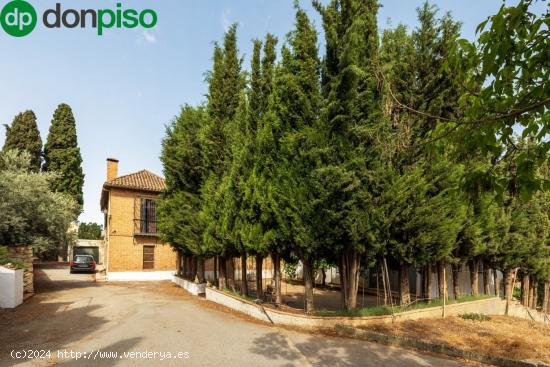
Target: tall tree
23,135
354,124
226,83
244,217
291,130
62,154
178,210
89,231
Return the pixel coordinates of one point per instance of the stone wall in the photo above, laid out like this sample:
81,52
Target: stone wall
24,254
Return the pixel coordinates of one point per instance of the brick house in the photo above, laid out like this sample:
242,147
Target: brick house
133,249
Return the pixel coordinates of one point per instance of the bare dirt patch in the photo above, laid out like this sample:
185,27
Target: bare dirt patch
500,337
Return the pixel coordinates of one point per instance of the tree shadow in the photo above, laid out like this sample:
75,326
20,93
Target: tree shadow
43,283
38,325
322,350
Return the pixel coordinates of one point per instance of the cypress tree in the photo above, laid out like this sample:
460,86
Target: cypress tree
62,154
291,136
23,135
354,125
178,210
225,86
242,223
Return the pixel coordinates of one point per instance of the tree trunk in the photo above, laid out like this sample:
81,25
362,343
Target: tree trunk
184,266
509,280
200,270
230,273
534,298
546,298
324,277
508,284
308,285
456,282
383,275
216,280
194,267
351,263
404,288
486,277
497,283
276,259
429,282
343,297
178,269
244,281
525,289
222,276
440,280
259,277
474,276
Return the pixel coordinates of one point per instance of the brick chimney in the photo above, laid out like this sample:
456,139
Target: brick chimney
112,169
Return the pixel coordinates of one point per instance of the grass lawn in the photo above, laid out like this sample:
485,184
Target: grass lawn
386,310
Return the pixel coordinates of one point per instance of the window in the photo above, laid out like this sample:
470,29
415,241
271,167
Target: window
148,257
148,217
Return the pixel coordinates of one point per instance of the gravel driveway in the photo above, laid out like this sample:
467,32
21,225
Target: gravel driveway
84,323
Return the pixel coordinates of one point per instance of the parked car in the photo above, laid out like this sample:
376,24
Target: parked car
82,263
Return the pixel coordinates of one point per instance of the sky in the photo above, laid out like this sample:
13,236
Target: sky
125,86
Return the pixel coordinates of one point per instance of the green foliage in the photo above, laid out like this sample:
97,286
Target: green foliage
90,231
510,58
475,317
226,83
4,260
62,154
351,158
289,134
178,210
23,135
30,213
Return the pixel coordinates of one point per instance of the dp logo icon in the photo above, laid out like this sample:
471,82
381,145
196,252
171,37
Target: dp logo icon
18,18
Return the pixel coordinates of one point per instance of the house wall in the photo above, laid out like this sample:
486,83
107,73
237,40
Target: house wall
125,251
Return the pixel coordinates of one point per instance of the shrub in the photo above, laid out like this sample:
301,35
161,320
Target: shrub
475,317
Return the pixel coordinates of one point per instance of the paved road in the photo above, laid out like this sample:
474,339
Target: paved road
71,312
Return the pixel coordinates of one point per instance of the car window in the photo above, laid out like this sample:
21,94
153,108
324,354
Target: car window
83,259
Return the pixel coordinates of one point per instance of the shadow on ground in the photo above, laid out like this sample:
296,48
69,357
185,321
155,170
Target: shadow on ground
328,351
42,324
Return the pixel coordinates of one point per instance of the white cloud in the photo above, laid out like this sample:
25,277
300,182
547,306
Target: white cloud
149,37
226,22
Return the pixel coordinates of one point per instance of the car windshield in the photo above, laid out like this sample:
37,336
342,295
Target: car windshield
83,259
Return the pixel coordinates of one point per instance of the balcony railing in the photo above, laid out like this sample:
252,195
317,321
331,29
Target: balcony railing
144,227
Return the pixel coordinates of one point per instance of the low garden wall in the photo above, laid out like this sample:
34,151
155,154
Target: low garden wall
491,306
24,255
191,287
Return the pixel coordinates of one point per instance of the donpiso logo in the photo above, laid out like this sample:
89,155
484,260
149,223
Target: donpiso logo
18,18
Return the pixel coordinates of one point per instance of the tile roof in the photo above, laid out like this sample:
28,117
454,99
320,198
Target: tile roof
142,180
